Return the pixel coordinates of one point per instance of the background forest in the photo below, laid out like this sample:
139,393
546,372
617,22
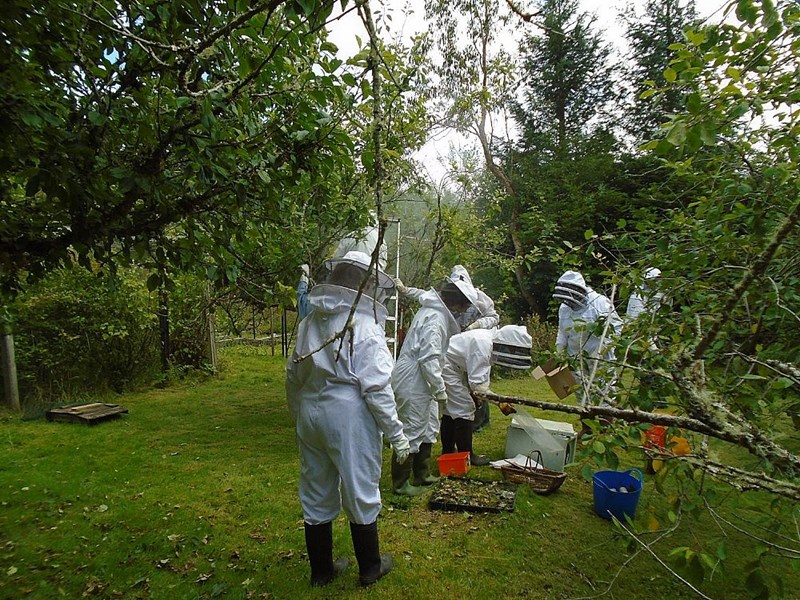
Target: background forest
166,168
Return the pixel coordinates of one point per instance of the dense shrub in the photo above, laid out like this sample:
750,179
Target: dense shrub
77,332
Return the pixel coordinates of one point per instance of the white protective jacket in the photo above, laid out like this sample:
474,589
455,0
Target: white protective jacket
417,376
576,338
467,367
342,403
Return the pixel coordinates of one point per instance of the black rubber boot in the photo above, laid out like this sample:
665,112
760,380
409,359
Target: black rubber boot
447,432
421,466
401,475
372,565
481,419
464,442
319,545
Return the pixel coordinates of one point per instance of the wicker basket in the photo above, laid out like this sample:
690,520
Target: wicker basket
542,481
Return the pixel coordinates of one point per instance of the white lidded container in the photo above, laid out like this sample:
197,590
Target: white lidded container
555,440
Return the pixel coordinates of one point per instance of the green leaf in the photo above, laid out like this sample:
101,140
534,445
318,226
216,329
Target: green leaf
588,234
598,447
733,73
677,134
722,550
756,584
707,133
153,282
694,103
95,118
670,74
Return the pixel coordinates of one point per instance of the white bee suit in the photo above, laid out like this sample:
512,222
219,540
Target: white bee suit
467,367
576,334
417,376
342,403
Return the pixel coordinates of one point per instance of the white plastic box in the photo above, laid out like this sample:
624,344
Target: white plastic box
555,440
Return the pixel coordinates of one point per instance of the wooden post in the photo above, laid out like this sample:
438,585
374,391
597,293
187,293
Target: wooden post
272,330
9,366
284,334
212,328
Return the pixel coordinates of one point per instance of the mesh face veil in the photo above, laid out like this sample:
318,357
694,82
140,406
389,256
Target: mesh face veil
511,347
571,290
352,269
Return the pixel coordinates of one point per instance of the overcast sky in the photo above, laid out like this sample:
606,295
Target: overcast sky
344,32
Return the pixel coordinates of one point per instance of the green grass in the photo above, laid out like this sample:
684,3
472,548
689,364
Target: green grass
193,494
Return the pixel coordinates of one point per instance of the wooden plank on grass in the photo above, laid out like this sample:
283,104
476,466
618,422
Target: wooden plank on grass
86,413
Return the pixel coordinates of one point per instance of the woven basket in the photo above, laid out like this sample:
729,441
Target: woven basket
542,481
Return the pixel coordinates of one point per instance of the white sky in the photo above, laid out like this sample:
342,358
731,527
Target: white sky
343,34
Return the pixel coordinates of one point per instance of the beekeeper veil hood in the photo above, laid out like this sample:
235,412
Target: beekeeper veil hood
571,290
462,281
350,270
459,273
511,347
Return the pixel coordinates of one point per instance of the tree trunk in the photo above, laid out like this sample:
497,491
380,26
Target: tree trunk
513,225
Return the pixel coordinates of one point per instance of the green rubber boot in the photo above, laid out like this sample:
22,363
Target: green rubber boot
401,475
421,466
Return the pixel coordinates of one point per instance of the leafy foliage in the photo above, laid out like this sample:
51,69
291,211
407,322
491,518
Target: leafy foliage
194,123
650,36
77,332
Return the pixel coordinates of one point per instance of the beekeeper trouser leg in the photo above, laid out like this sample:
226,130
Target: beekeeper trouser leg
401,475
421,466
464,442
447,433
319,546
372,565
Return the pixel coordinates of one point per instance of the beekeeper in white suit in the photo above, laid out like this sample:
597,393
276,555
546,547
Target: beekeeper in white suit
468,369
581,308
342,402
417,379
646,300
480,315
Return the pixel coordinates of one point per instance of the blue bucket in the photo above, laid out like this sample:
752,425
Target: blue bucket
609,501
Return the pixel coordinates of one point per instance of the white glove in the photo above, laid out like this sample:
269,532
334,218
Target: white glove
440,397
398,283
473,325
401,449
304,272
482,388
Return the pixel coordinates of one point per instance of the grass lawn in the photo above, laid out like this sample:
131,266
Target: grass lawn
193,494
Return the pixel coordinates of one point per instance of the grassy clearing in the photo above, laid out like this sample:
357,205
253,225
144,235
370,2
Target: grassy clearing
193,495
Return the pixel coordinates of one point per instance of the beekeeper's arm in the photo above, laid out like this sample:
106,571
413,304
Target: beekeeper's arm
479,366
373,365
431,352
408,292
489,317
